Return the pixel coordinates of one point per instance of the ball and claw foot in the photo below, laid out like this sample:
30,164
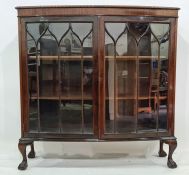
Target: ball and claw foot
172,146
23,165
171,163
22,148
31,155
162,153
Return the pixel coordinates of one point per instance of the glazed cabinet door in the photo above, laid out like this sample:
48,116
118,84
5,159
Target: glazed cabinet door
61,71
135,72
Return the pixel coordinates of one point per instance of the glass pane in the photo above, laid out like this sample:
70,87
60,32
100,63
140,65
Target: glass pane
49,115
48,79
147,114
114,29
58,29
120,63
60,64
161,31
87,79
32,84
71,79
77,77
136,76
71,116
81,29
33,115
152,95
88,119
125,118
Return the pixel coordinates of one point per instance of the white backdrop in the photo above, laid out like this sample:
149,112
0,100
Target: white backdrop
10,94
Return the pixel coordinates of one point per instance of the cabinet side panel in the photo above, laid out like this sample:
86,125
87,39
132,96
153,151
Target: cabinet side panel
172,76
101,80
23,77
95,78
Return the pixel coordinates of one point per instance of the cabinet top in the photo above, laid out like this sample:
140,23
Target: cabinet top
97,10
96,6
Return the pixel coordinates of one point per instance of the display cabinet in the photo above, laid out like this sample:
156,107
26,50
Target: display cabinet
97,73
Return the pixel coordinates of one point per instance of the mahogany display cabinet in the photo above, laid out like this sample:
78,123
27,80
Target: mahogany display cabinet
97,73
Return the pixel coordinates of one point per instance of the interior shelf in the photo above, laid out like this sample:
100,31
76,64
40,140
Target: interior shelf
32,73
62,98
89,97
66,96
65,57
134,97
134,58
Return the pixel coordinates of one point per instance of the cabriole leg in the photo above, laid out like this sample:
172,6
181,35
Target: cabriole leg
23,143
162,153
172,146
32,151
22,148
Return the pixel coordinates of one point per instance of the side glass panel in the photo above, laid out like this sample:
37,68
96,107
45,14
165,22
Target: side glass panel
136,77
161,32
147,115
60,74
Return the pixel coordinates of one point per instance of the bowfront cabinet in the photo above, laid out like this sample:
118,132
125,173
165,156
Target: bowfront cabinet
97,73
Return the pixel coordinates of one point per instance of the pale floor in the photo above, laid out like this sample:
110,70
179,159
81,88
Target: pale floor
96,164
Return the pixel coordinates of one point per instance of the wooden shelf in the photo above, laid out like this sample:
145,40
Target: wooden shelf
65,58
134,97
32,74
62,98
134,58
88,97
73,95
144,77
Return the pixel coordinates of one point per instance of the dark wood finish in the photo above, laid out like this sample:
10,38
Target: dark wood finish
99,10
172,76
98,15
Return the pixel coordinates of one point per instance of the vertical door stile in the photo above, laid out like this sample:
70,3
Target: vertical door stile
101,79
24,60
82,102
115,98
172,74
95,76
137,86
158,88
38,102
59,89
